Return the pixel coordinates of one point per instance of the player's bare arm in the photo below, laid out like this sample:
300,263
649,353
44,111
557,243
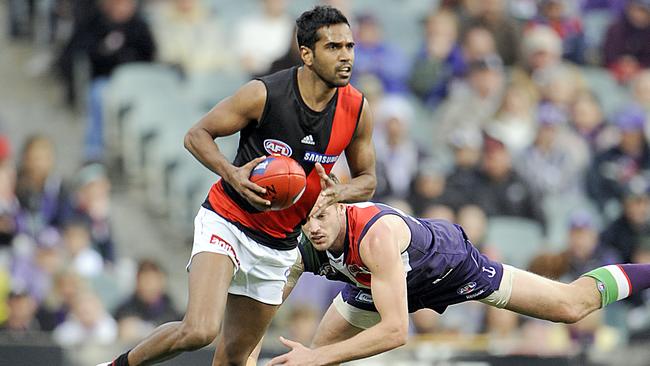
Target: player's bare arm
360,155
226,118
294,275
380,252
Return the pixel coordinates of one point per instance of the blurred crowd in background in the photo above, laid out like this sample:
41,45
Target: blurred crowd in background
525,121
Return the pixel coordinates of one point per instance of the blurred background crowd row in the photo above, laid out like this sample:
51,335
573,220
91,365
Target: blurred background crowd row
525,121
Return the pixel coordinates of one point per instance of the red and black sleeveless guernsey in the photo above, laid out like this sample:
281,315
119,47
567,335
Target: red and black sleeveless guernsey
288,127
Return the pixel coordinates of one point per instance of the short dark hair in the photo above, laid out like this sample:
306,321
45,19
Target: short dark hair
309,22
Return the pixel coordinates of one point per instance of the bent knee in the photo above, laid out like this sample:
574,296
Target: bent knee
197,336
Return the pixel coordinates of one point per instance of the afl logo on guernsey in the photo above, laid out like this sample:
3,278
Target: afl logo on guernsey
277,147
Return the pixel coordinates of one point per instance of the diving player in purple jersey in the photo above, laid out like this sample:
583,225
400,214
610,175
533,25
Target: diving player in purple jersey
395,264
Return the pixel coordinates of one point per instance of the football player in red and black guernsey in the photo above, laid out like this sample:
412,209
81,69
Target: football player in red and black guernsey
242,251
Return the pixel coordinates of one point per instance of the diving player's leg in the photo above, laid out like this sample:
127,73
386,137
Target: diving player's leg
543,298
245,322
209,280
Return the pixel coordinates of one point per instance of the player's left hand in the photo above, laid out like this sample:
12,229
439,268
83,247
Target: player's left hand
298,356
329,193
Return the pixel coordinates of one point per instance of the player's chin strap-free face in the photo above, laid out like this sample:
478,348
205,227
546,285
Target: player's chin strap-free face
324,223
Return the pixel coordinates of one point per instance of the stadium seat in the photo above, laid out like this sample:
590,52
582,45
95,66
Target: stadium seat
517,239
133,80
130,84
204,90
191,184
162,148
142,123
179,178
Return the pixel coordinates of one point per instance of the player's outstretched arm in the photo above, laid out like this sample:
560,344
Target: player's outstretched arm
226,118
389,296
360,155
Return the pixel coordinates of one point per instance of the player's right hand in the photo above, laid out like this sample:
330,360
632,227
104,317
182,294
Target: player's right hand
240,181
329,194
